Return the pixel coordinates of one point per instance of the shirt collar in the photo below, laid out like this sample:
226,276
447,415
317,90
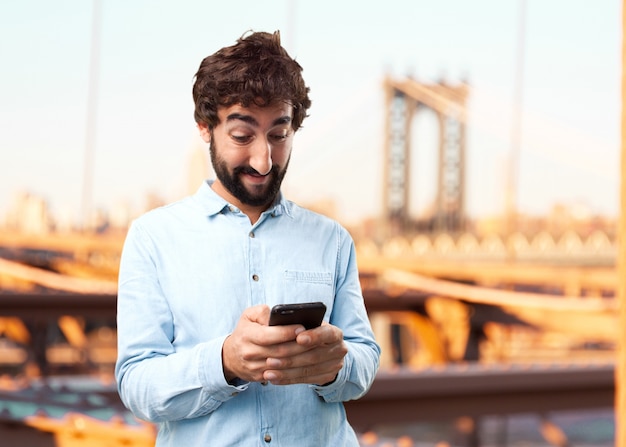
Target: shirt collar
212,203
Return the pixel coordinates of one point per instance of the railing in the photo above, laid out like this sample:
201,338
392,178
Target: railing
597,247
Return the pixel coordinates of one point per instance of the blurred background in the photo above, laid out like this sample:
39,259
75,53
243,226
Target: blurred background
123,88
463,143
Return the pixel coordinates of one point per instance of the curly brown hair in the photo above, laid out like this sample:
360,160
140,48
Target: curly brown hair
256,70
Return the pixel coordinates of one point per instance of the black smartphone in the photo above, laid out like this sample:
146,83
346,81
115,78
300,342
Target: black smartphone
309,315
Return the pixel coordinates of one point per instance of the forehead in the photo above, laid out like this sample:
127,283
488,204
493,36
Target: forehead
273,114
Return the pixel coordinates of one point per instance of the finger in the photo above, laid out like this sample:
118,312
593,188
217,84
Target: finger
313,374
288,349
264,336
295,356
325,334
242,359
274,337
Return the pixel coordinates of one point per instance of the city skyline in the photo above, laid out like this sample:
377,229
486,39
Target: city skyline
145,135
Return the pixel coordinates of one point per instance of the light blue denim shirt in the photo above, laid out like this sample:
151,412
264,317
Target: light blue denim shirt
188,271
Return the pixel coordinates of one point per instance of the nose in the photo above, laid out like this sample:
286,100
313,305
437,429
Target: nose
261,156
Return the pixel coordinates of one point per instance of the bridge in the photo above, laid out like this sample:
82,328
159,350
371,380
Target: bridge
441,388
469,325
466,331
491,286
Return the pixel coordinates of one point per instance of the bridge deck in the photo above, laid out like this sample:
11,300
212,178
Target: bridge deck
406,395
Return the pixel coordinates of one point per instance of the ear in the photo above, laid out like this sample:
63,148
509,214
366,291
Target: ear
205,133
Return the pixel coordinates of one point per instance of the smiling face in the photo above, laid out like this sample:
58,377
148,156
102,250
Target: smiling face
250,150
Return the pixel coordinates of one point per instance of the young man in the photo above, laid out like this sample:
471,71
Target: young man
198,277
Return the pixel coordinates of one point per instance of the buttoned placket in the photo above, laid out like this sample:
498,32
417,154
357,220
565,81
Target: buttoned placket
255,257
255,236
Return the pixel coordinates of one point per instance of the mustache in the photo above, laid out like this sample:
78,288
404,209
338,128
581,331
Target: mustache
251,171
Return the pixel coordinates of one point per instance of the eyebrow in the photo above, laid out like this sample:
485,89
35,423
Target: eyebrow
253,122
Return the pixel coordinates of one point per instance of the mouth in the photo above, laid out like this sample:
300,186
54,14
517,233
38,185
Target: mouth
252,176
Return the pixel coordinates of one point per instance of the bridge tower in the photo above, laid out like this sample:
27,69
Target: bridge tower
403,99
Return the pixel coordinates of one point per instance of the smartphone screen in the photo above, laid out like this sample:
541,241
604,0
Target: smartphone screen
310,315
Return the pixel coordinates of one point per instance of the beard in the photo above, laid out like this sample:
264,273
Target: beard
262,196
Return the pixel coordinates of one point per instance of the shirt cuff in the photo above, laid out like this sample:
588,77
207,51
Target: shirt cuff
211,372
330,391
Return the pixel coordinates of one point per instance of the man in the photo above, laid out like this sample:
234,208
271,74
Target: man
198,277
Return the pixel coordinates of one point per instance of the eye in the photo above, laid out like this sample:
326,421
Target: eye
280,136
242,139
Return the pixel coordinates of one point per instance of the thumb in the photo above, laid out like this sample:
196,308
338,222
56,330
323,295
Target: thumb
259,314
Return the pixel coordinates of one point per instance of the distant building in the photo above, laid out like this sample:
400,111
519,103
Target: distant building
198,169
120,215
29,214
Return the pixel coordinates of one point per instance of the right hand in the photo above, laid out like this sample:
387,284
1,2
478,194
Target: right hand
247,348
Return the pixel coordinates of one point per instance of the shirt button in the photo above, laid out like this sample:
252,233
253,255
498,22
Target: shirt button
251,234
255,277
232,209
267,437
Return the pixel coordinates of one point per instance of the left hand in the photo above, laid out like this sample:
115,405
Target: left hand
314,357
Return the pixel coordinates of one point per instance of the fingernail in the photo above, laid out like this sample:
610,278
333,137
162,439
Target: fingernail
273,363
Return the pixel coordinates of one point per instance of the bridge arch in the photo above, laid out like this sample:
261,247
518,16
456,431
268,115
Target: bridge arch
403,99
570,242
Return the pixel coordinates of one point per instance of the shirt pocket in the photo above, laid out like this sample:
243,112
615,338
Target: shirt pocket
304,286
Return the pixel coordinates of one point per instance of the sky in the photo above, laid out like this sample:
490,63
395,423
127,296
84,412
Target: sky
144,133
